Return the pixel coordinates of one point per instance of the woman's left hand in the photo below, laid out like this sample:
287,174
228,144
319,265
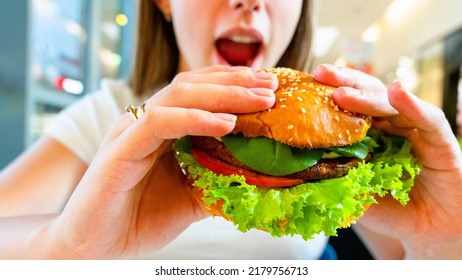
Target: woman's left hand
429,225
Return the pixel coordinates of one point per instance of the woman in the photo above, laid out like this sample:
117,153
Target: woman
102,186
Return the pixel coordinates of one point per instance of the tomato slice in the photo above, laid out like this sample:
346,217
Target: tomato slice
251,177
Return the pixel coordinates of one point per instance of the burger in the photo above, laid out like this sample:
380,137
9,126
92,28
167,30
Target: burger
303,167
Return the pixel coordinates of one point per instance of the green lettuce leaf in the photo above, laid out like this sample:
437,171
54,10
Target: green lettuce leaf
272,157
311,208
269,156
358,150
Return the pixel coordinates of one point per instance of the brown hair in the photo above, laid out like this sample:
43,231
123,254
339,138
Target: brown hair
156,56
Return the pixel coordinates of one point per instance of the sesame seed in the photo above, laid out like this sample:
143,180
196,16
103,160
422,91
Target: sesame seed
349,138
347,132
282,99
300,99
337,118
290,126
283,106
340,136
316,101
303,110
356,130
291,140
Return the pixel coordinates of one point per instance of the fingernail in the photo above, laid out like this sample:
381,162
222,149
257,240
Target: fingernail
242,68
331,67
264,76
265,92
350,91
226,117
404,87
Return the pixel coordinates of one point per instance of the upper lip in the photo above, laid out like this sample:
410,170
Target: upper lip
243,35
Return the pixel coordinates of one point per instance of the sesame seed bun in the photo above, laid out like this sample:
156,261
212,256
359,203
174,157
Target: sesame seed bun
304,115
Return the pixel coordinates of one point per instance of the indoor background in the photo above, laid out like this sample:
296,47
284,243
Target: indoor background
54,52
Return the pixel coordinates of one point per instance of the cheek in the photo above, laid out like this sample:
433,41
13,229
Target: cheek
288,12
190,40
284,19
193,33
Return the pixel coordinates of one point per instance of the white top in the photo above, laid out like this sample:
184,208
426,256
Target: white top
81,128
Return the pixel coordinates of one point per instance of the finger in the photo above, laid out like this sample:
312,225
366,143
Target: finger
391,129
398,121
357,91
214,98
369,102
217,68
146,134
346,77
427,118
182,76
235,78
433,141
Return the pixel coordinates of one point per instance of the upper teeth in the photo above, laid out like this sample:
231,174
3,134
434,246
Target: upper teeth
243,39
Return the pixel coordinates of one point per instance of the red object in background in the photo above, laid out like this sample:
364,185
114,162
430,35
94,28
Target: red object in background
59,82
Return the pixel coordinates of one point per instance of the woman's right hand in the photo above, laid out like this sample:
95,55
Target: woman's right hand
133,198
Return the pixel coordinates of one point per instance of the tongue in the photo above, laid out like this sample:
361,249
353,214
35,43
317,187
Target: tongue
237,54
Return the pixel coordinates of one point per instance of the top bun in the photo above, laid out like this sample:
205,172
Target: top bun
304,115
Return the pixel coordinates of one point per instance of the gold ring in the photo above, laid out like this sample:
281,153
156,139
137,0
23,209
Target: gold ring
135,112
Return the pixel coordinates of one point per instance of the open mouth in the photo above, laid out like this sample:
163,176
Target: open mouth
239,49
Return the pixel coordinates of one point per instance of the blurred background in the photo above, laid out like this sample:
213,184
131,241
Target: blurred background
54,52
51,54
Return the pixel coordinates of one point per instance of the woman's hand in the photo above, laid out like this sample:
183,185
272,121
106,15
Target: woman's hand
429,225
134,199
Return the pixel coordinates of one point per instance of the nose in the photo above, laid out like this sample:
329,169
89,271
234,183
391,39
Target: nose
247,5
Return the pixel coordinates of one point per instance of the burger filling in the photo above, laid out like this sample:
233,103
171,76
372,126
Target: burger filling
315,207
263,156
